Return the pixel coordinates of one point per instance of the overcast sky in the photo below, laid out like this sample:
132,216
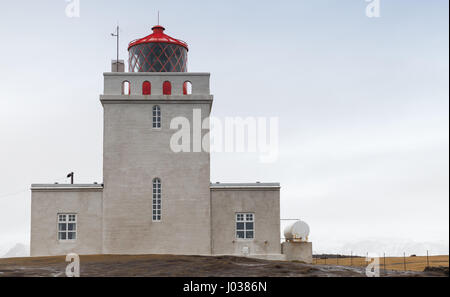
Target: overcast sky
362,102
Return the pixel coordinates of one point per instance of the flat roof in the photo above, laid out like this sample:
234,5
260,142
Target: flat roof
244,185
100,186
66,186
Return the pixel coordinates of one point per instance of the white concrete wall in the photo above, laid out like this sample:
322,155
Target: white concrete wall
263,202
135,154
47,202
299,251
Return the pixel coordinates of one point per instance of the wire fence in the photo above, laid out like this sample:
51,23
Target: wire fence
405,262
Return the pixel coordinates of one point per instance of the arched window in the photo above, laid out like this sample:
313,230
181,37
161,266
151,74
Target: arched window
126,88
146,88
156,203
167,88
156,116
187,88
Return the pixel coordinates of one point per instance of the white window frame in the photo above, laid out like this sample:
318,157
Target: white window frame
189,87
66,219
244,217
156,200
156,117
126,88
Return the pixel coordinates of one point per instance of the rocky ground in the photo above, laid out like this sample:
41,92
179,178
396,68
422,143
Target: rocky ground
184,266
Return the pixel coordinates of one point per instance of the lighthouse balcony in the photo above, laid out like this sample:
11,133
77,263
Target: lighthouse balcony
139,85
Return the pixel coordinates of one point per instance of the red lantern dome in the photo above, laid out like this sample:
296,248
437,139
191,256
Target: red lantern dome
157,52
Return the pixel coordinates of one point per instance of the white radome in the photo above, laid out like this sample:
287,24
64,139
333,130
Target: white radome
297,231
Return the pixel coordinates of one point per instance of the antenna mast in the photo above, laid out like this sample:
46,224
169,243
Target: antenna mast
117,35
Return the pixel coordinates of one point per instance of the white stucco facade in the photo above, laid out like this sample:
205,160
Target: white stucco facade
135,153
48,201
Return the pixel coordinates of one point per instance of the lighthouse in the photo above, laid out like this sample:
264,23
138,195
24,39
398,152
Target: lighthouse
155,199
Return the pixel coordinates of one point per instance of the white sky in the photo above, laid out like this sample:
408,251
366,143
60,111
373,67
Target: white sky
363,105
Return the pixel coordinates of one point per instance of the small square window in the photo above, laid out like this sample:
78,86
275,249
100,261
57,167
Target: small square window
245,227
67,227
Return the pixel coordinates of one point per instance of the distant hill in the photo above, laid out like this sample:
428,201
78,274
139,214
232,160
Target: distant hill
396,247
393,247
19,250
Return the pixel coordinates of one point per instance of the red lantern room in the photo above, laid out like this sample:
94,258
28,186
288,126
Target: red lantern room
157,52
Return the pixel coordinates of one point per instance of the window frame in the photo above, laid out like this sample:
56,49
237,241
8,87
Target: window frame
67,221
156,119
167,88
186,86
244,221
144,85
128,83
156,200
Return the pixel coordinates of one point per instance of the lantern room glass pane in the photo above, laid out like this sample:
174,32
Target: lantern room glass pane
157,57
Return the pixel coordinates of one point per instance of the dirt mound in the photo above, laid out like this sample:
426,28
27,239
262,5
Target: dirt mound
439,270
180,266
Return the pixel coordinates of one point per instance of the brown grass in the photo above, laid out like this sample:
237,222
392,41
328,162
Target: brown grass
392,263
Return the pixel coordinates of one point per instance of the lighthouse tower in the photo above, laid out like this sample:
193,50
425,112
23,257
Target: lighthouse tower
155,199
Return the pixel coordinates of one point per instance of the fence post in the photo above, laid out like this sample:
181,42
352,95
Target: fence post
428,261
404,261
351,258
384,261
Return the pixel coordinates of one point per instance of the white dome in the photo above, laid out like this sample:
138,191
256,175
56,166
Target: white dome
298,230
